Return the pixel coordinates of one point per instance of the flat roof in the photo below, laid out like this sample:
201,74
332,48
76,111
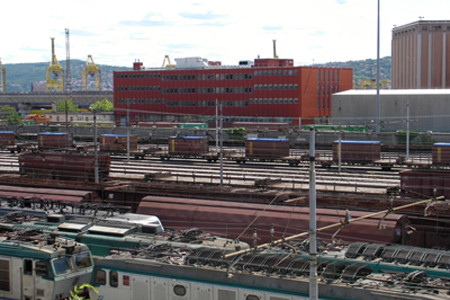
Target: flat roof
391,92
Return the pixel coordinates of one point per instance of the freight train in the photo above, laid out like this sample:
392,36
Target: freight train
360,271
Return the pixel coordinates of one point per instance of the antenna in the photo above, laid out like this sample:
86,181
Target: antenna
68,80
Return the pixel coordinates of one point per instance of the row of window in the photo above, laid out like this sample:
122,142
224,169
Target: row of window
273,100
275,87
209,76
208,103
138,88
225,76
327,75
285,72
140,101
178,118
211,90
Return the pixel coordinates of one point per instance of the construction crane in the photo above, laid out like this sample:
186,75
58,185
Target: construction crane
166,62
3,78
55,73
92,70
371,84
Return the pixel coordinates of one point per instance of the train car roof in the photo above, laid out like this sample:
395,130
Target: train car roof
53,133
267,139
193,137
356,142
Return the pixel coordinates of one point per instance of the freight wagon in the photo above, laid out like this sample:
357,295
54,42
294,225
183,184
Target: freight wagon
63,166
54,140
118,143
441,154
425,182
231,219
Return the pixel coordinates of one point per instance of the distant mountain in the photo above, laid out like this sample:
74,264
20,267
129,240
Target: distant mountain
20,77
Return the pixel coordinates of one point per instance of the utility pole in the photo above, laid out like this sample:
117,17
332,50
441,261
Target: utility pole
378,125
313,286
221,144
97,180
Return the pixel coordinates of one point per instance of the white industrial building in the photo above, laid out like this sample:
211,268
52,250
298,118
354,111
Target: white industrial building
429,109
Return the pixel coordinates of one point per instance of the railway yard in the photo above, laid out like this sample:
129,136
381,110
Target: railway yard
255,194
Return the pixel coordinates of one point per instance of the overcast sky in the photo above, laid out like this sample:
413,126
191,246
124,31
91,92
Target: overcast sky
119,32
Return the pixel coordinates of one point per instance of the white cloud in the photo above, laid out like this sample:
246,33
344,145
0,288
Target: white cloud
117,33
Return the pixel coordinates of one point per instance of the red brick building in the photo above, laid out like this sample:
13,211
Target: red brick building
265,90
421,55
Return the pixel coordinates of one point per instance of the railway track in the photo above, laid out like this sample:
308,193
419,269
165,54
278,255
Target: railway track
364,180
276,175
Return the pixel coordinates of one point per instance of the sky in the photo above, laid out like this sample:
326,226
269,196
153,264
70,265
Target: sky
120,32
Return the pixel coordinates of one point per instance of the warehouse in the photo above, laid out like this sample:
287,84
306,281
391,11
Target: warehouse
429,109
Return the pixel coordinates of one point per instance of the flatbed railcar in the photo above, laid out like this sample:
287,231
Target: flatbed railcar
359,271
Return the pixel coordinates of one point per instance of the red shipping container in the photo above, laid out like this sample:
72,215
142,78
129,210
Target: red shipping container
54,140
7,138
357,151
188,145
266,148
68,166
441,154
118,143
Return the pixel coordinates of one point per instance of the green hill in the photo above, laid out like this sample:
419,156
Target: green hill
20,77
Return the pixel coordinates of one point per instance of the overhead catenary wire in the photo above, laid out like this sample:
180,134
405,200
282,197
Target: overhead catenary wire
336,225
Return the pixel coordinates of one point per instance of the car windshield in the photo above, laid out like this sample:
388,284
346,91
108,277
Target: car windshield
62,265
83,260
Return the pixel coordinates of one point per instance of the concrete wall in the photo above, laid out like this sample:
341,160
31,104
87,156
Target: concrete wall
429,111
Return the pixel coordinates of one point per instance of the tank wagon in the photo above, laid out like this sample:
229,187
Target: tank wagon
63,165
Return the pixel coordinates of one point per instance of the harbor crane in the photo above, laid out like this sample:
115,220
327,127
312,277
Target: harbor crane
55,78
91,69
3,78
167,63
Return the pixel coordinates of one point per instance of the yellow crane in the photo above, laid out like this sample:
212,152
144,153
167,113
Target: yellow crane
371,84
166,62
55,78
92,70
3,77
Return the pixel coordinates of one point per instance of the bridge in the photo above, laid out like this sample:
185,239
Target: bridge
45,100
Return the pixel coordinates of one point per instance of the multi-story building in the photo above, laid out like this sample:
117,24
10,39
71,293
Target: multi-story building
263,90
421,55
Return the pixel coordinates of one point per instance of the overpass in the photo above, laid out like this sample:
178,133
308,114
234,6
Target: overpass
44,100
